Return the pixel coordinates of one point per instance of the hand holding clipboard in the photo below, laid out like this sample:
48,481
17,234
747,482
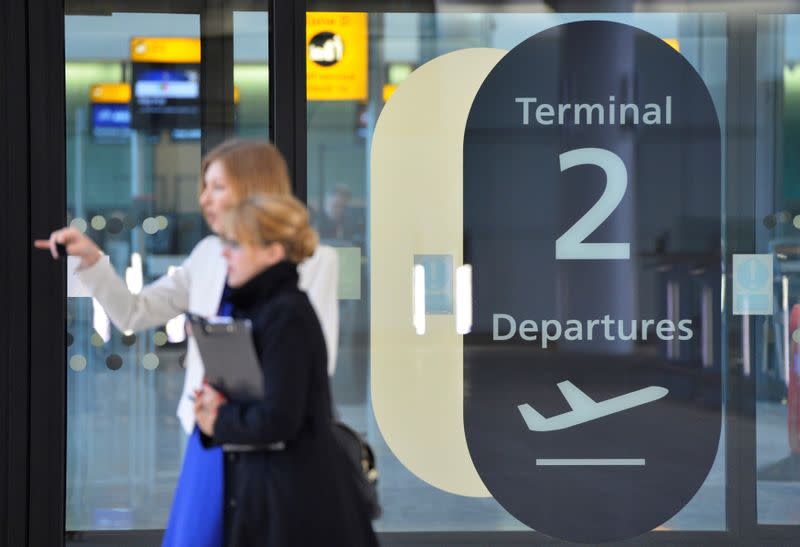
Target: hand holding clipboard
229,358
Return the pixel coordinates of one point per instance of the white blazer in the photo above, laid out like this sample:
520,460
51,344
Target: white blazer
197,287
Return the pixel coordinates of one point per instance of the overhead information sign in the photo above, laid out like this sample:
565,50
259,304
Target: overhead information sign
110,111
165,50
165,83
336,56
114,93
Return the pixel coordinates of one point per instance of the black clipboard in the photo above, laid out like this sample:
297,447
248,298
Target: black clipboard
229,358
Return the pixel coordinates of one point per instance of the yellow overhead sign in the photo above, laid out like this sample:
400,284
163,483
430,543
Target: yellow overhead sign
118,93
165,50
676,45
336,56
388,90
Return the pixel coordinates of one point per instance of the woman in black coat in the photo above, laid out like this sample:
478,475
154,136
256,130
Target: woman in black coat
286,479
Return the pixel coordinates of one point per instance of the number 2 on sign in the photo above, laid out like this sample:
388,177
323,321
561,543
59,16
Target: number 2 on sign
571,245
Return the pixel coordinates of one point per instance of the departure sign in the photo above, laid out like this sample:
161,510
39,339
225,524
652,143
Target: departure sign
587,147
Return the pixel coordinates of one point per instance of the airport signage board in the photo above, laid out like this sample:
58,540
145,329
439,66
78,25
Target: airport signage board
336,56
581,419
110,112
165,85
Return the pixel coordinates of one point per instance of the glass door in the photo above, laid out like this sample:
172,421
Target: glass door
146,95
388,98
775,361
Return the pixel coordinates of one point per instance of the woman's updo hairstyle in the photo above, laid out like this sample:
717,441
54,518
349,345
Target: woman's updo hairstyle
262,219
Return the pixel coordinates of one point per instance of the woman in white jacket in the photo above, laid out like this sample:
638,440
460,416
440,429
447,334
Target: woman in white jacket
231,172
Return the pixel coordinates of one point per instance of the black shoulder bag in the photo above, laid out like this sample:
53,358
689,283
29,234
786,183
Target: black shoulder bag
361,466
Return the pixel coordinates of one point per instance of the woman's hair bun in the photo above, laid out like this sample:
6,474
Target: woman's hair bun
266,218
305,243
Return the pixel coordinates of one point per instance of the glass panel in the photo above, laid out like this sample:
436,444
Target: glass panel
251,73
133,160
342,118
776,361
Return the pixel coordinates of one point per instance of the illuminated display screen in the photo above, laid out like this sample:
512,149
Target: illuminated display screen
111,121
193,134
166,96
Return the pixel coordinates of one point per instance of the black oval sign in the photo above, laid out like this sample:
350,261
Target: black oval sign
592,215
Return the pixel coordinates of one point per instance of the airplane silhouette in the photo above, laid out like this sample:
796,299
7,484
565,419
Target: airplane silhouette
585,409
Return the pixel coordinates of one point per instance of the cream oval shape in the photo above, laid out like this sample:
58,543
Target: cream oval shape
416,201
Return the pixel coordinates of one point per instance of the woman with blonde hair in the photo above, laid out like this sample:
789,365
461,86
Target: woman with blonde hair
231,172
285,477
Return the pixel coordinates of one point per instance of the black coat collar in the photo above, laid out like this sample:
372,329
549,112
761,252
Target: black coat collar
281,276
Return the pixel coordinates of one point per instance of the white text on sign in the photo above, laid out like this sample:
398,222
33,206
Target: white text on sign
611,113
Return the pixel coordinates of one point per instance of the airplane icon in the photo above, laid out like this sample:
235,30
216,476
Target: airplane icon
585,409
